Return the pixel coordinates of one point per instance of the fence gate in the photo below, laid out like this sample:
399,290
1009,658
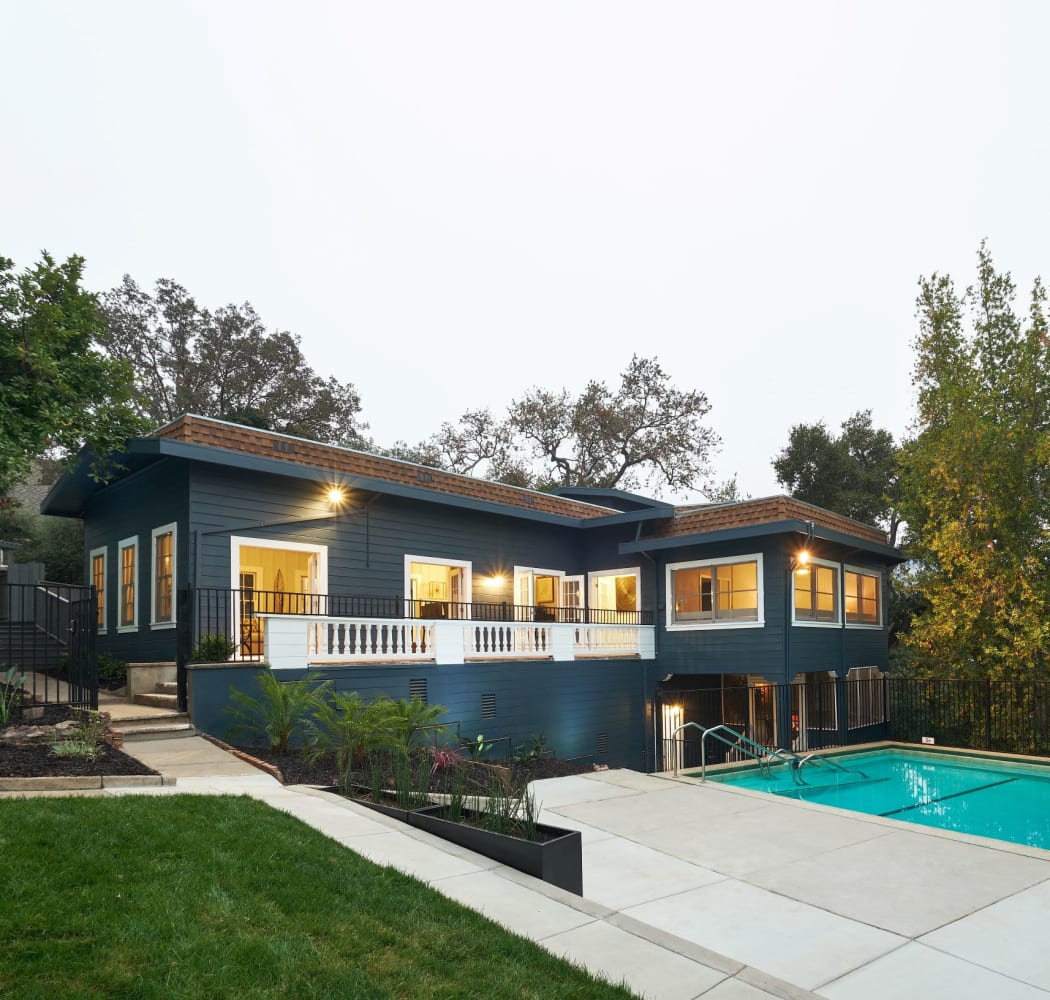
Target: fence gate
47,633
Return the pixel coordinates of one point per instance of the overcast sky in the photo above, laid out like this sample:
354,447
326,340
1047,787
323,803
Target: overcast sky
451,203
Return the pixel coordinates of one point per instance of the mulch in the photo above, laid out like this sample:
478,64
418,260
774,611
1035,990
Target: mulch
36,760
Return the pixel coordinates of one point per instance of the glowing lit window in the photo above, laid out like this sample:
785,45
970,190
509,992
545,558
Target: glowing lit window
816,593
862,598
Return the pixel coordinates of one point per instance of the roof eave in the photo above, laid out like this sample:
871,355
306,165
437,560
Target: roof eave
790,526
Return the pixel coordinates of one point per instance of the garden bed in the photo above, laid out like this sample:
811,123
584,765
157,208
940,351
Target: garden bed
25,750
296,770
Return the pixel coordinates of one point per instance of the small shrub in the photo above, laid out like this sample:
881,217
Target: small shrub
10,694
412,716
348,726
478,747
213,648
111,671
444,759
76,749
533,748
90,727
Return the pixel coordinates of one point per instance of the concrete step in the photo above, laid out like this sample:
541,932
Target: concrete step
158,700
152,727
167,687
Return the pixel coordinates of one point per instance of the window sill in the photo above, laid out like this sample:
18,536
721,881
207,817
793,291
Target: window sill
711,626
155,626
864,625
807,624
127,628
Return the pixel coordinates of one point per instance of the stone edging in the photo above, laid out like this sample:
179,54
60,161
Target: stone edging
74,783
262,765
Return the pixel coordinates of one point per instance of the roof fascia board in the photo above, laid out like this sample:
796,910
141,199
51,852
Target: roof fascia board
294,470
887,552
627,517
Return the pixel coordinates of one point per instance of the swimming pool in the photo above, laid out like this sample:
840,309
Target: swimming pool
987,798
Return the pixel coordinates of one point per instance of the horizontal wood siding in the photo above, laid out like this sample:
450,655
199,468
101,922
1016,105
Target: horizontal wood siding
571,704
133,507
727,650
366,551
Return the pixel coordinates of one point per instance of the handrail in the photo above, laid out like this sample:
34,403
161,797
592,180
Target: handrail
741,743
827,762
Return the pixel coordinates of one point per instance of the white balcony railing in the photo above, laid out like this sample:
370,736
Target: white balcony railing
298,641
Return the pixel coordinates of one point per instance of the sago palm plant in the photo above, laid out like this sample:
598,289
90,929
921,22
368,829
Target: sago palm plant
278,709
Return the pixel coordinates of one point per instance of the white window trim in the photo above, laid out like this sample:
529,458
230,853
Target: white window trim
672,626
127,543
465,564
102,550
839,597
236,541
164,529
865,571
559,574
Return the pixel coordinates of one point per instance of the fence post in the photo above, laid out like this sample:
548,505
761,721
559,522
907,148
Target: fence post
987,713
183,643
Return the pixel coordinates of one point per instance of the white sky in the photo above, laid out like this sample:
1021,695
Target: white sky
451,203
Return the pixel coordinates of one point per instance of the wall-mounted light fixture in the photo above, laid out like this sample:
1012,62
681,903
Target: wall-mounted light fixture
336,496
495,581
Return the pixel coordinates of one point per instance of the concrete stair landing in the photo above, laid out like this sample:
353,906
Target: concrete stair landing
151,716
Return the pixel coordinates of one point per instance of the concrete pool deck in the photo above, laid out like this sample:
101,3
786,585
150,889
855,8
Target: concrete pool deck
697,889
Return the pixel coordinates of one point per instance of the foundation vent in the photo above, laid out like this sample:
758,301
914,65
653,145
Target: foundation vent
417,688
602,745
488,706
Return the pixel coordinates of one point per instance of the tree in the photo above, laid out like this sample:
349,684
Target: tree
974,482
222,364
643,432
854,473
57,542
58,392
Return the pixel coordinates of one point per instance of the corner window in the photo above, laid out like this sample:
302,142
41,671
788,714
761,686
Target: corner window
97,559
715,592
816,593
162,573
863,597
127,595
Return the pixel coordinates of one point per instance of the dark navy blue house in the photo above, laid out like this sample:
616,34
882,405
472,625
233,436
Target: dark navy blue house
592,616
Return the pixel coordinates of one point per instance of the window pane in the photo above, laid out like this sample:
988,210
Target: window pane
127,585
727,592
862,598
98,580
164,561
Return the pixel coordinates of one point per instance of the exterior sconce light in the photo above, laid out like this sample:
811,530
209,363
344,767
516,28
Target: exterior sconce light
335,496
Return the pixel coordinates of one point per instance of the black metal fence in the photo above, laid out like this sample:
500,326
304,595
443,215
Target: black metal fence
47,637
1003,716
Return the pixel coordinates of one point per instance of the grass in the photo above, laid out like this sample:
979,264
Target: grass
189,896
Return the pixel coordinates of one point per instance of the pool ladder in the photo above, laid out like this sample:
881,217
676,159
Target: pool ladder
763,754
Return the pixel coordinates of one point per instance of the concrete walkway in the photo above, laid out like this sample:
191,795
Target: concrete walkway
699,890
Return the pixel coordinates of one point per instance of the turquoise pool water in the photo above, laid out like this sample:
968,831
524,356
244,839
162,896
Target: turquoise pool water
970,795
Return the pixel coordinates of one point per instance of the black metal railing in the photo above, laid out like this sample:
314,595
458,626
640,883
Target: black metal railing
47,636
1004,716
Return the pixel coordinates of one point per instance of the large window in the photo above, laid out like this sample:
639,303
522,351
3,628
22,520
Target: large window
709,592
163,576
863,602
97,558
816,592
128,596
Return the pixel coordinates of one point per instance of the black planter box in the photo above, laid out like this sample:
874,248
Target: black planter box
557,859
390,808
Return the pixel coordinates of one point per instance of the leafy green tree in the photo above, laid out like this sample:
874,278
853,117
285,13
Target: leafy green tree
643,432
222,364
58,391
57,542
853,473
974,483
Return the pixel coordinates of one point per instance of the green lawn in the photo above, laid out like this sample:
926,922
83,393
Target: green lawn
189,896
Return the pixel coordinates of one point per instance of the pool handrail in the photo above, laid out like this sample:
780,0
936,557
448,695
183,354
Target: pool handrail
827,762
740,743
